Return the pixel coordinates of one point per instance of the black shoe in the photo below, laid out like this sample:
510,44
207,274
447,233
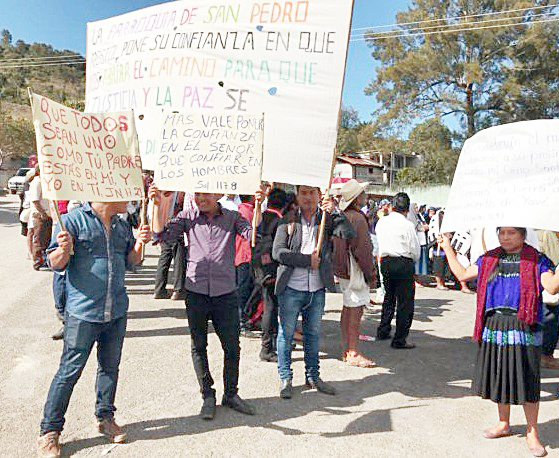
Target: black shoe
208,409
270,357
236,403
383,336
286,389
321,386
59,335
162,295
402,346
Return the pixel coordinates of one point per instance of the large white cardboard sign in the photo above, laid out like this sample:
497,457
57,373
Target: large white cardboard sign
507,176
285,59
216,153
88,157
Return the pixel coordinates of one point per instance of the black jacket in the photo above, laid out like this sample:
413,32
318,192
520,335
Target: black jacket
287,247
262,261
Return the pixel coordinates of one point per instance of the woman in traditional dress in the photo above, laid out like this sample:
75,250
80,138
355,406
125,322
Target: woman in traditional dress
511,279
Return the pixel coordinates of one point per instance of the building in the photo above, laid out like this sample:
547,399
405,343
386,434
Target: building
377,168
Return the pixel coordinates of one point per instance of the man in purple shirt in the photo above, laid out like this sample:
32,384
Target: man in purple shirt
210,288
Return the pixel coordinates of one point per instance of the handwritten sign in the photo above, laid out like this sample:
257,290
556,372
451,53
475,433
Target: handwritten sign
217,153
507,176
84,156
283,58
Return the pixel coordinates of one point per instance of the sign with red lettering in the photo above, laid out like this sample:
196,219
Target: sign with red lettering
285,59
88,157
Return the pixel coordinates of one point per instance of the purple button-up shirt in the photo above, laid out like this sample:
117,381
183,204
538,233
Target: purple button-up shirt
210,266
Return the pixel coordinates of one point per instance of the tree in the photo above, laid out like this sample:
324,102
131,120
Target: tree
6,38
471,73
17,136
433,142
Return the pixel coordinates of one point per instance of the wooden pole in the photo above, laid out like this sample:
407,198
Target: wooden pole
143,217
320,238
54,206
321,229
255,217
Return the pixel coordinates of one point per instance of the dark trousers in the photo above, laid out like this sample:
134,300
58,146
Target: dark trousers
79,337
550,329
397,274
59,293
223,311
245,283
171,251
269,318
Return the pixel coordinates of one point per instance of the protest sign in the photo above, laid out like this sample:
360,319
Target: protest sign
285,59
148,125
219,153
86,156
507,176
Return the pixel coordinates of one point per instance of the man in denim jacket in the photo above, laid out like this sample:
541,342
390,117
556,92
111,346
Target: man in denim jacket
95,250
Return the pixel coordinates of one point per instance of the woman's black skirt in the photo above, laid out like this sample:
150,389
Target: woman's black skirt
508,362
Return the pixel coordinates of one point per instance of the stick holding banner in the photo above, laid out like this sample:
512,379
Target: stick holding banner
143,217
322,227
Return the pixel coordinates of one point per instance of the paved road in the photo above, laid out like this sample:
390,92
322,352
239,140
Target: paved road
416,403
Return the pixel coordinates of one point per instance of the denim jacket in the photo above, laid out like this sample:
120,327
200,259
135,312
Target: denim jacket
95,272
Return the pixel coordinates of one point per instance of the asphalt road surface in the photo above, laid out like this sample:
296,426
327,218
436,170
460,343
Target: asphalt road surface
415,403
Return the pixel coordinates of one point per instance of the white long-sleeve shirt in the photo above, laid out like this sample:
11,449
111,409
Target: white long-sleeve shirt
397,236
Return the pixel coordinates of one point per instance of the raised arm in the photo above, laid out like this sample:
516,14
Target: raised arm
461,273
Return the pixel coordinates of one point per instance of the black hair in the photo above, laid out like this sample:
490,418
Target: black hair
401,202
522,231
246,198
277,198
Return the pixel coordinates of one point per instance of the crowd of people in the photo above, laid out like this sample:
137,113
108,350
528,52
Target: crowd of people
267,260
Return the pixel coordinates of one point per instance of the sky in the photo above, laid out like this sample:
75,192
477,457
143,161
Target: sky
62,24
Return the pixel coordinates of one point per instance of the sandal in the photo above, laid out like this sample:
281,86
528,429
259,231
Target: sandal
359,361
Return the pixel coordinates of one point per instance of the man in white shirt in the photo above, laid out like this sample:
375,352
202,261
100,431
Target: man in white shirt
40,221
398,249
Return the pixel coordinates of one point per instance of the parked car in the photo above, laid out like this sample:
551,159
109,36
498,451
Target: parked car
17,182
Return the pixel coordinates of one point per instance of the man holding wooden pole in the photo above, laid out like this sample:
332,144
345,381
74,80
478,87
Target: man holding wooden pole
211,291
304,272
94,246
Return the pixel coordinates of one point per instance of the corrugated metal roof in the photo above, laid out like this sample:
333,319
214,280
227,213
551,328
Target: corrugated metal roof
359,161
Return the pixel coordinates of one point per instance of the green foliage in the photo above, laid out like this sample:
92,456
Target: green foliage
58,82
433,141
354,135
17,136
483,76
63,83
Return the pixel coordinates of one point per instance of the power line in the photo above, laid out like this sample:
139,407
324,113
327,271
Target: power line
455,17
449,26
76,62
19,59
398,35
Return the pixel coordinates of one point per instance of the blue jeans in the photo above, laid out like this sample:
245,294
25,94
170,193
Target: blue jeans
550,329
79,337
59,293
310,306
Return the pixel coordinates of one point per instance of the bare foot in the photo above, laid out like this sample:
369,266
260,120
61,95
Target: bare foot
534,444
501,430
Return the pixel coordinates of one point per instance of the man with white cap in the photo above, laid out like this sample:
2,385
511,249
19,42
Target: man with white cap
398,249
354,268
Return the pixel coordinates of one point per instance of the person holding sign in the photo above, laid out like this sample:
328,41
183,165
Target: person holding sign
511,279
210,287
302,278
95,248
